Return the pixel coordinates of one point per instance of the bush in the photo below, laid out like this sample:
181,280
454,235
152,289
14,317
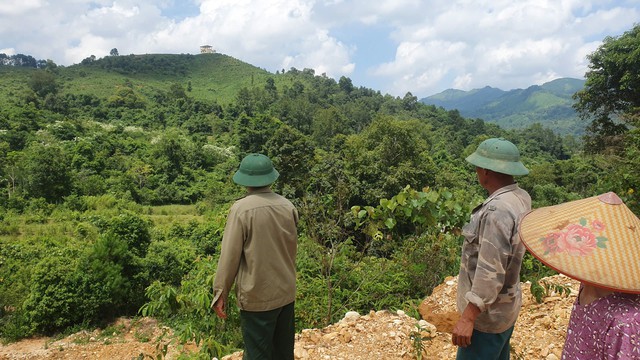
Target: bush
53,301
14,326
188,308
169,261
134,230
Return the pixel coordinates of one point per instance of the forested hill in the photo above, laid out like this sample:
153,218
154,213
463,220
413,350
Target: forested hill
210,77
549,104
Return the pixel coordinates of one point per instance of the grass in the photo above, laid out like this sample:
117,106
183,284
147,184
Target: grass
169,215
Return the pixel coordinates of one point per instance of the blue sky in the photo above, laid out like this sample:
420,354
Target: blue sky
394,46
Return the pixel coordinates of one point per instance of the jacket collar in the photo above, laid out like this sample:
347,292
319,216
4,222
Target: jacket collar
502,190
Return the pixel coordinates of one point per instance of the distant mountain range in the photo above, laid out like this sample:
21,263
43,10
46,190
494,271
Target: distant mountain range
549,104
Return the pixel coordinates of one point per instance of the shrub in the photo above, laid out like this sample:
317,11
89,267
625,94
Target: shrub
188,308
53,301
169,261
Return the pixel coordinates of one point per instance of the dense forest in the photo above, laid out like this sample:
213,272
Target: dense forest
115,183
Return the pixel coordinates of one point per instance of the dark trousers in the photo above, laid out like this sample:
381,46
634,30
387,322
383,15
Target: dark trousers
268,335
486,346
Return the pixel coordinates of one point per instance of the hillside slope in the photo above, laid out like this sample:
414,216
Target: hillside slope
216,77
549,104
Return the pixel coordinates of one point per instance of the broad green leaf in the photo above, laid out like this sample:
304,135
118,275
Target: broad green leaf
390,223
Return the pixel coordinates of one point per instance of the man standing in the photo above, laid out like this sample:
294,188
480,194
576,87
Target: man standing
489,295
258,252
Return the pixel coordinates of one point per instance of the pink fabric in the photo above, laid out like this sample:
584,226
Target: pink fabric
608,328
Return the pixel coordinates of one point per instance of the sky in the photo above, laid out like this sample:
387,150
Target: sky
394,46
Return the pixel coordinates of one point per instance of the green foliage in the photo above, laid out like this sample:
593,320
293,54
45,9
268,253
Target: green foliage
45,171
533,270
188,308
387,156
43,83
543,289
133,230
53,301
612,79
412,212
610,96
418,338
339,279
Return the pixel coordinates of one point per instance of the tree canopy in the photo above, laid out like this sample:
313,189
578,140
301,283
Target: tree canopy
610,96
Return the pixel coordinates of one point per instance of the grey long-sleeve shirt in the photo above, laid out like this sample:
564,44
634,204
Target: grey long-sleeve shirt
491,259
259,247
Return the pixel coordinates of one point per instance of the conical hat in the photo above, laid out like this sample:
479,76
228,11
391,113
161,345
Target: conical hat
594,240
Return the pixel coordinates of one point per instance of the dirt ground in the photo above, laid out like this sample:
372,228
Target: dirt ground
539,334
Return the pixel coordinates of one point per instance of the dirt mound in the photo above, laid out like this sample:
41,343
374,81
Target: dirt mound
125,339
539,334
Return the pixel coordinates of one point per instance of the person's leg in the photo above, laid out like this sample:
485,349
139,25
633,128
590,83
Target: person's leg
257,332
506,350
284,335
486,346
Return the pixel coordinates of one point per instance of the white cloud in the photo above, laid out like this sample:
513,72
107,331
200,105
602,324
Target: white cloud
8,51
438,44
272,34
504,44
14,8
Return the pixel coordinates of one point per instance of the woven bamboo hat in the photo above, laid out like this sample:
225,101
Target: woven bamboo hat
594,240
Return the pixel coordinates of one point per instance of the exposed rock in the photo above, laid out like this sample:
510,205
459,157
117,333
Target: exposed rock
539,332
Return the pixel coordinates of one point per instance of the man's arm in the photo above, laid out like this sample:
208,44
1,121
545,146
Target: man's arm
463,329
228,263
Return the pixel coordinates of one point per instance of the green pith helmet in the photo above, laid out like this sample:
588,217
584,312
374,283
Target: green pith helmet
499,155
256,170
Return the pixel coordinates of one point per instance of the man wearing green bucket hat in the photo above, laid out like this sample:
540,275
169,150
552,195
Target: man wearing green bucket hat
489,295
258,252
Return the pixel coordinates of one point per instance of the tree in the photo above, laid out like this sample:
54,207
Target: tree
114,52
43,83
611,96
293,155
47,172
345,84
387,156
409,102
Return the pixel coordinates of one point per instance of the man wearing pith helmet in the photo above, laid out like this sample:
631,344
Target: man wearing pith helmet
258,252
489,295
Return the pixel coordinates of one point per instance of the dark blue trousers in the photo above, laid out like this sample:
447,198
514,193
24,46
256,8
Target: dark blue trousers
486,346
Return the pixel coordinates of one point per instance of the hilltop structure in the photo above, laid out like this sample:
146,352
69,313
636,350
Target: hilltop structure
207,49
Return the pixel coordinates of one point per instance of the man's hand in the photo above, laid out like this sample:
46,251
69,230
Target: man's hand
462,331
461,335
218,307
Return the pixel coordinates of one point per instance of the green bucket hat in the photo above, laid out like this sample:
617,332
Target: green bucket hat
256,170
499,155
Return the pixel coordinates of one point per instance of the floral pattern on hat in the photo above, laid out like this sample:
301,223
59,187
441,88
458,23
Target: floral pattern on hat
576,239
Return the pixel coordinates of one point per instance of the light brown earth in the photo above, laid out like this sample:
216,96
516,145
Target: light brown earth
539,334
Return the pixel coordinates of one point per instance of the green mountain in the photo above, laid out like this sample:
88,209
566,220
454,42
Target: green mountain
549,104
208,77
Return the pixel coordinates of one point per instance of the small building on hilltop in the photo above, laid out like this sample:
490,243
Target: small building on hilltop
206,49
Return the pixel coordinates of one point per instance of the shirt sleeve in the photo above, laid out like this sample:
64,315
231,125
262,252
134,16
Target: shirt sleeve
494,240
230,254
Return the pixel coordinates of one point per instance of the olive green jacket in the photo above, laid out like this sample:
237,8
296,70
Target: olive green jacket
259,248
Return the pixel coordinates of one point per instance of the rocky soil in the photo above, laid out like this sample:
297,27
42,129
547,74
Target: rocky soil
539,334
